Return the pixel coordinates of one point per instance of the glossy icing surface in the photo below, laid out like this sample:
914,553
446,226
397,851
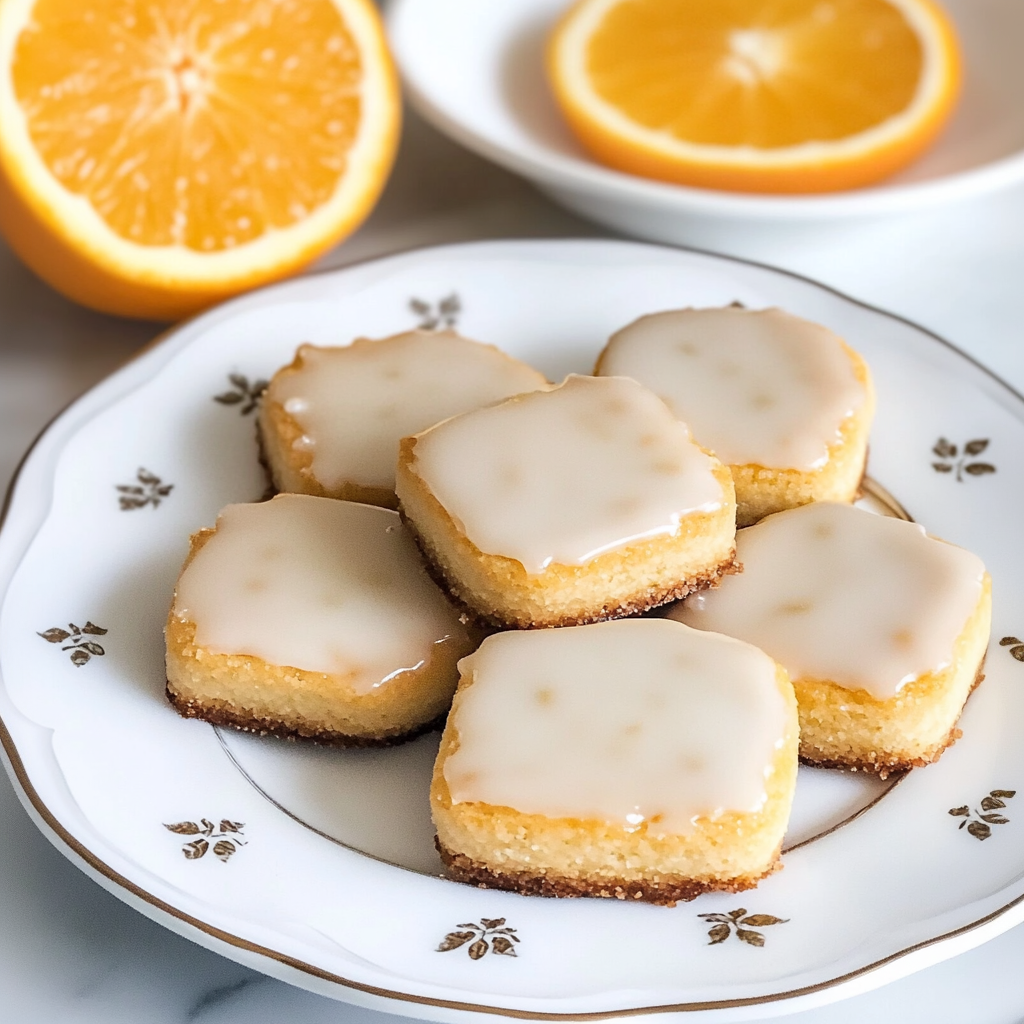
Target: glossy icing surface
317,584
355,403
836,593
631,721
757,387
562,476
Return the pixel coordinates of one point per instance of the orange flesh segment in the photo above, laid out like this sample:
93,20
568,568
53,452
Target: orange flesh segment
765,74
167,115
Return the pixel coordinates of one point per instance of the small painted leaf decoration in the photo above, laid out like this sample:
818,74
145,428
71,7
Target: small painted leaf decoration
93,630
419,306
500,944
165,490
763,920
125,489
736,304
979,468
1018,652
183,828
990,803
716,917
239,380
1008,640
994,819
208,826
453,940
231,826
979,830
478,949
718,934
944,449
751,938
224,848
79,657
492,922
145,477
229,398
54,636
92,648
942,467
735,915
193,851
975,447
1006,794
959,812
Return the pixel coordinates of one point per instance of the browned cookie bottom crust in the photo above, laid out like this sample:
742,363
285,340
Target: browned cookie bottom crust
665,892
190,708
893,765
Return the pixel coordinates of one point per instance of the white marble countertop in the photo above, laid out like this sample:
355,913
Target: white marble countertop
69,952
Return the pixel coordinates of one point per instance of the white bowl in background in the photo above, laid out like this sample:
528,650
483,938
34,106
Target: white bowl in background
474,68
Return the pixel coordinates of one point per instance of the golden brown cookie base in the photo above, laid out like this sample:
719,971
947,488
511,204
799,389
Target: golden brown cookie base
270,488
895,765
271,727
666,892
643,601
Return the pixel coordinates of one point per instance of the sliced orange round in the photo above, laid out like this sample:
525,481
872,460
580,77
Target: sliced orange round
756,95
157,156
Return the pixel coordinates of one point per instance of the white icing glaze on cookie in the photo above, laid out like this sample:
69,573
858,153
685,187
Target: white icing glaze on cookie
562,476
355,403
757,387
625,722
839,594
321,585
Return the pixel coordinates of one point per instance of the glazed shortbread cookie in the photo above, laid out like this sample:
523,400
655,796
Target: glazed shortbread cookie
883,630
636,759
785,403
330,422
560,507
306,616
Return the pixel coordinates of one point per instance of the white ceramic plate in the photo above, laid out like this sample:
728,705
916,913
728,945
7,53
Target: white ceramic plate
316,865
475,70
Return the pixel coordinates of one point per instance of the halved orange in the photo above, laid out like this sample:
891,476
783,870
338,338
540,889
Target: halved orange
159,155
756,95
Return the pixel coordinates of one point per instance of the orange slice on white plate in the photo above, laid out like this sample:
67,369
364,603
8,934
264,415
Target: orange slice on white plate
157,156
756,95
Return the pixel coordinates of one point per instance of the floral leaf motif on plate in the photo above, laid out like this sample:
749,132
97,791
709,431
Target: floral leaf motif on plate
489,934
243,392
436,316
150,490
226,837
81,648
744,926
979,822
952,460
1016,646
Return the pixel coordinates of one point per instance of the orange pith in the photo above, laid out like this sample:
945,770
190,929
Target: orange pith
772,95
157,132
